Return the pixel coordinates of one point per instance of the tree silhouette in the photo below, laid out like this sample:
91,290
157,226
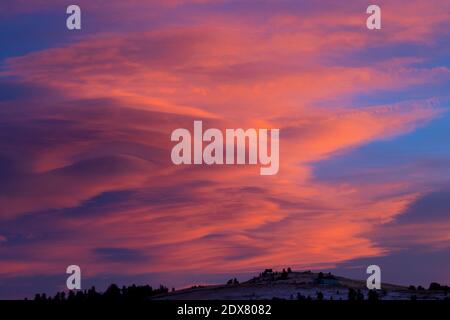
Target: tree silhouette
319,295
351,294
359,295
435,286
113,293
284,274
373,295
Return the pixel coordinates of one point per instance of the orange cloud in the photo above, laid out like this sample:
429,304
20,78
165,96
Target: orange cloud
124,93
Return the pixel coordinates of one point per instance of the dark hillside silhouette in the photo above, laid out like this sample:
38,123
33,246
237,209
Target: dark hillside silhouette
304,285
113,293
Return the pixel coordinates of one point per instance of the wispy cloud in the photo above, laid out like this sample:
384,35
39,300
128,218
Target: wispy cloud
85,159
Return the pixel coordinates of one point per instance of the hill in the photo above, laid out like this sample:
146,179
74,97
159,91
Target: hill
298,285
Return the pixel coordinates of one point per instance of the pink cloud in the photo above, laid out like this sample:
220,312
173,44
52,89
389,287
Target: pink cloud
143,85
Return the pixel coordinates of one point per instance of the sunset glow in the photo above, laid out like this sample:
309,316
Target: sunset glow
86,176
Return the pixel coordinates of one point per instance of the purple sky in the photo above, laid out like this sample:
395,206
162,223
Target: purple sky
86,116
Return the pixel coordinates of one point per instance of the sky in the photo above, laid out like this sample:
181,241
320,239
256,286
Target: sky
86,116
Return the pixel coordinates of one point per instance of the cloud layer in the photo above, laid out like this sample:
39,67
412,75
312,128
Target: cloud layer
85,127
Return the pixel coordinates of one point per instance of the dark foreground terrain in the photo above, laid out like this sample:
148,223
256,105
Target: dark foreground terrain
306,285
268,285
271,295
